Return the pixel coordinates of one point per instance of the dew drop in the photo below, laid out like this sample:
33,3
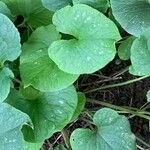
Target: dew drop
89,58
94,25
88,18
61,102
5,139
39,51
14,140
59,111
100,53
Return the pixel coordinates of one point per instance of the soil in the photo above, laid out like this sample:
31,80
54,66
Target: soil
133,95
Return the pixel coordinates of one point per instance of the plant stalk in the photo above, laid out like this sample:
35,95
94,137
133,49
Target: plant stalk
117,84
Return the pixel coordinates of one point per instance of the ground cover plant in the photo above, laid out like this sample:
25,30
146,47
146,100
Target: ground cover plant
68,74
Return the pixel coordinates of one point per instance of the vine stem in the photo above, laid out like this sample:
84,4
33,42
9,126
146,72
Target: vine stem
118,108
117,84
141,141
17,81
66,138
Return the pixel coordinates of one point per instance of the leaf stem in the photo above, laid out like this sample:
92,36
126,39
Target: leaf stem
66,138
17,81
117,84
118,108
141,141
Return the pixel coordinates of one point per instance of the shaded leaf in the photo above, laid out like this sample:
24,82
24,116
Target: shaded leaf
50,112
37,69
133,15
140,55
55,5
4,9
32,10
101,5
10,47
80,105
5,81
11,122
124,50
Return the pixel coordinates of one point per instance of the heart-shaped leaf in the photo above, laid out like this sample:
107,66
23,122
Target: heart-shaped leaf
94,44
32,10
112,133
133,15
5,80
37,69
50,112
54,5
11,122
140,55
10,47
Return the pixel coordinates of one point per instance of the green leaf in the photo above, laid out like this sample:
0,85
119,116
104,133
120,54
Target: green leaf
60,147
140,55
5,81
148,96
33,146
10,47
112,133
37,69
11,122
54,5
133,15
50,112
32,10
80,106
85,53
29,93
101,5
124,50
4,9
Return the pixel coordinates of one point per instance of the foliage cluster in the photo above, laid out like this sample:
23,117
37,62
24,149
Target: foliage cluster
45,45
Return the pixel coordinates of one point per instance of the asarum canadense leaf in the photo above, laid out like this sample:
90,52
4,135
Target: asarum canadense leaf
54,5
93,45
112,132
33,11
11,122
5,81
101,5
124,50
10,47
50,112
133,15
4,9
36,68
140,55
